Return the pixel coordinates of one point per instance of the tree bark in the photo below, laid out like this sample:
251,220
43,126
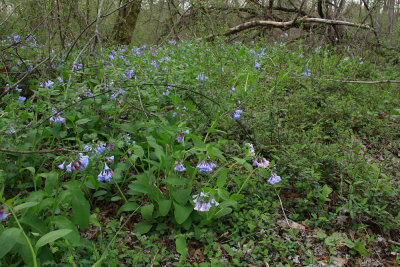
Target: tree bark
391,18
126,22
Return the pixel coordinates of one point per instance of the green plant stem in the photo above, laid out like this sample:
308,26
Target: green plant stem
120,191
26,237
244,183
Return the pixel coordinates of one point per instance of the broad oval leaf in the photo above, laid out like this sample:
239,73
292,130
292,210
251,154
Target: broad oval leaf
51,237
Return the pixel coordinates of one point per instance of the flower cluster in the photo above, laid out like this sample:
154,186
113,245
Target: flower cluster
251,149
115,95
105,175
263,164
237,113
306,72
204,202
77,66
201,78
80,164
128,74
179,166
180,136
203,166
47,85
56,117
274,179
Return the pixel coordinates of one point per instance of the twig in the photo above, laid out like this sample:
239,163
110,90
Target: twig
283,210
97,39
23,77
140,101
9,15
65,149
394,242
91,24
76,59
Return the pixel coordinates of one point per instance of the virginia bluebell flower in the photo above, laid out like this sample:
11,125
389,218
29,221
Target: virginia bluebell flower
61,166
237,113
3,216
264,164
274,179
154,64
306,72
204,202
128,74
110,159
105,175
83,161
78,66
48,85
56,118
179,166
203,166
251,149
11,131
69,167
201,78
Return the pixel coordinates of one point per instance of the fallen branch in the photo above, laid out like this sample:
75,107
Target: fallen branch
285,24
66,149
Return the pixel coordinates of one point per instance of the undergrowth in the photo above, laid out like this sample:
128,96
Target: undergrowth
198,154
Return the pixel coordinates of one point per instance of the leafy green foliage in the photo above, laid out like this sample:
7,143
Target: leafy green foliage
156,150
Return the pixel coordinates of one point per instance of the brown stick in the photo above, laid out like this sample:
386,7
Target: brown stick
284,24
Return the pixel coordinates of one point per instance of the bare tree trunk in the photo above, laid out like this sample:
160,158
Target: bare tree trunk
126,22
377,18
391,18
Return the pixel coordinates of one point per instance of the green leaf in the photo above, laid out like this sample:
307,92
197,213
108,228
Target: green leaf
174,180
26,205
82,121
51,181
30,169
326,190
199,144
147,211
80,206
181,246
181,195
164,205
8,238
35,222
130,206
237,197
222,212
64,223
138,151
142,228
181,213
221,180
51,237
